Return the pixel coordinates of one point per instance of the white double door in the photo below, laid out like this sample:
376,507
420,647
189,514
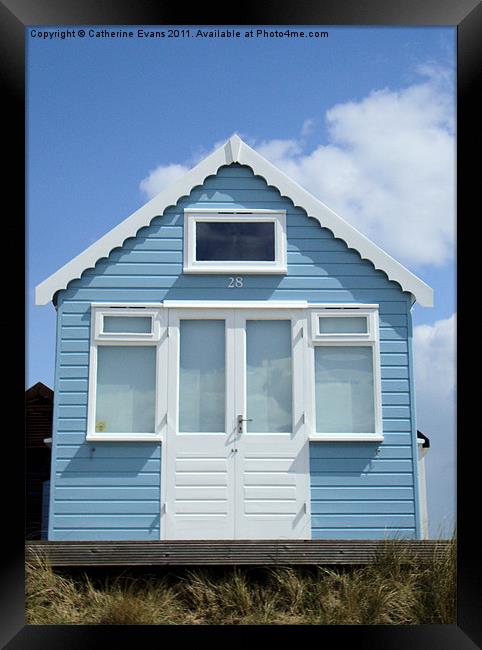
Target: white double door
235,457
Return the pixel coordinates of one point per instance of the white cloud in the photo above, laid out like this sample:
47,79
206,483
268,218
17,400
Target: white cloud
388,167
307,128
160,178
284,150
435,368
434,356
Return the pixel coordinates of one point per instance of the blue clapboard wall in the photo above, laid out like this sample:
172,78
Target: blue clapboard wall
112,490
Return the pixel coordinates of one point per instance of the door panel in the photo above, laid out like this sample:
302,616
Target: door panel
272,459
269,372
199,465
202,376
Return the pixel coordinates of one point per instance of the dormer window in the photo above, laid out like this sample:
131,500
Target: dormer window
234,241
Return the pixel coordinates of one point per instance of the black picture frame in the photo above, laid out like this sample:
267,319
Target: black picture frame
15,15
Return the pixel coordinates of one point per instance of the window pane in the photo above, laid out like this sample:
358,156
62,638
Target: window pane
126,379
235,241
202,376
268,376
123,324
342,325
344,390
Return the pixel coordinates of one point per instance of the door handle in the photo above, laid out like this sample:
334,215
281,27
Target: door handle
240,422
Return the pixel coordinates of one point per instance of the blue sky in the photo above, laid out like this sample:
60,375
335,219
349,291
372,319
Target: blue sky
363,119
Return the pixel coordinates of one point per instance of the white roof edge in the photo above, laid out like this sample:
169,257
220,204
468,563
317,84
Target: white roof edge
340,228
234,150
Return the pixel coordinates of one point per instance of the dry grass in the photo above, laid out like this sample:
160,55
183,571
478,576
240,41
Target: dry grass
396,590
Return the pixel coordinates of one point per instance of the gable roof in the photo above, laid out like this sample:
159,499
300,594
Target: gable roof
234,151
39,391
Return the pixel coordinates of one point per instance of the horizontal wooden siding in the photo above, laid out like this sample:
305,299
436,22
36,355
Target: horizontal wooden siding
112,490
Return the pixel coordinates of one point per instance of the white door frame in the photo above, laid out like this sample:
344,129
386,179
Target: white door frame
235,396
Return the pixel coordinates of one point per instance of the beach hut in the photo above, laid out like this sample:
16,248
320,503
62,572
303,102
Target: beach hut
234,362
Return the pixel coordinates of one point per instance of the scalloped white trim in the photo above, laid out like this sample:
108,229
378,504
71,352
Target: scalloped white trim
234,150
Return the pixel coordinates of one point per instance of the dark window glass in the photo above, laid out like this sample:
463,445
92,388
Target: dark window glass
235,241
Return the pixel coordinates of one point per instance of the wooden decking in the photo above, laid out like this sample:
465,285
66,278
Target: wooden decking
220,552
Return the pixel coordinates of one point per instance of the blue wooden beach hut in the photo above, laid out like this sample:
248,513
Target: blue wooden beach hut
234,361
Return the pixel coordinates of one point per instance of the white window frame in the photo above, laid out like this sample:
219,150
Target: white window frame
192,216
369,339
331,312
127,312
156,338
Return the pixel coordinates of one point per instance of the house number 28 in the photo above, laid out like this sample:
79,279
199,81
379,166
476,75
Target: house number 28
235,283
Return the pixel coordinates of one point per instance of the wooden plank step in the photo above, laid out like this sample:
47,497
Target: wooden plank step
220,552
